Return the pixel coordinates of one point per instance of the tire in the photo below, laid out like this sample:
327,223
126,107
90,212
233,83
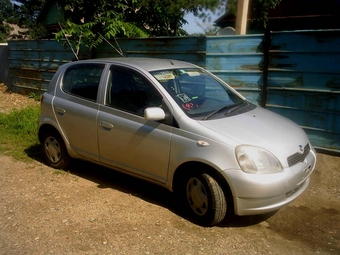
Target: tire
54,150
205,199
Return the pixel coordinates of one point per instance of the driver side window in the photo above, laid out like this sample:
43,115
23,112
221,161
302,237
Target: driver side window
130,91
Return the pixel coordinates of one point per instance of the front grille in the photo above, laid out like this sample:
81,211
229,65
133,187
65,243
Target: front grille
298,157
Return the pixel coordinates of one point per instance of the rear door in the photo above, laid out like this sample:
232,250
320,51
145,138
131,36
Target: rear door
126,140
76,107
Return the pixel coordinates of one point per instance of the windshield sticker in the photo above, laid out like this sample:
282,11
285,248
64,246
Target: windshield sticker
183,97
190,73
161,76
193,73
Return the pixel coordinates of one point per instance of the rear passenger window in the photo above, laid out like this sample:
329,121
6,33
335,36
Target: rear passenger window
83,80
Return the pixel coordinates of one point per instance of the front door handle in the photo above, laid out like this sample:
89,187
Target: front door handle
106,125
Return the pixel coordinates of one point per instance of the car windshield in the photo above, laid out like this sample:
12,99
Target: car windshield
199,94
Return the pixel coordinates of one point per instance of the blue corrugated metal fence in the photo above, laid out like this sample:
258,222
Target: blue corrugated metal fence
304,83
238,61
296,74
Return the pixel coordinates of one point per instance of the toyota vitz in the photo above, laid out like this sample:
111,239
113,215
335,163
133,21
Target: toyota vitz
177,125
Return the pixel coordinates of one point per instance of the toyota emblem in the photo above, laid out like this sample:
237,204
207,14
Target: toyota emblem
301,148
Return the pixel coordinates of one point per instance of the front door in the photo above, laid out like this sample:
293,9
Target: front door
126,140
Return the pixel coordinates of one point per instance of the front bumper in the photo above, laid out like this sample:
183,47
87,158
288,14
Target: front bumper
262,193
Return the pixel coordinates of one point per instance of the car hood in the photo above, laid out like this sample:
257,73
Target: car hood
262,128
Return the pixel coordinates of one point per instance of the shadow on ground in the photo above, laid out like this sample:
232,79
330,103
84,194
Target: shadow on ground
108,178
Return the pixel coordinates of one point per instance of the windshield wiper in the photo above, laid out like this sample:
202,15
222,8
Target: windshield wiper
236,107
216,111
232,109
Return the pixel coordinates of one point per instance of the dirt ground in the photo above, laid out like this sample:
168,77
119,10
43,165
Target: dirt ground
10,101
93,210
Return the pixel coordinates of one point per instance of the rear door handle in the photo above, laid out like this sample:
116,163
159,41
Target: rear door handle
106,125
60,111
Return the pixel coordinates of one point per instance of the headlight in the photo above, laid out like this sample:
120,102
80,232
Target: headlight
256,160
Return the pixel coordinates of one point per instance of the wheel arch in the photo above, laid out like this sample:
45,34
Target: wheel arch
60,157
190,167
46,128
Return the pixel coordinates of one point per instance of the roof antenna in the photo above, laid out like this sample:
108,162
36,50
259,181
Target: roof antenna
171,62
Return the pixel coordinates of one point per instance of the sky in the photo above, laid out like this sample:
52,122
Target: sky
193,27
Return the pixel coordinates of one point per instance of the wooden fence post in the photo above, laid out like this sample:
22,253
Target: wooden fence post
241,17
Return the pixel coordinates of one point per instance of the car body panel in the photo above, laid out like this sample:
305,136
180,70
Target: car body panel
134,144
78,124
262,128
267,192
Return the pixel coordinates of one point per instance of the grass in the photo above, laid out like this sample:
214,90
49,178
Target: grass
18,133
34,96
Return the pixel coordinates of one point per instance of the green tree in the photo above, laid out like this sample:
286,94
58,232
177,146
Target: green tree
231,7
4,31
258,11
28,12
6,9
166,17
155,17
25,14
6,13
89,23
29,9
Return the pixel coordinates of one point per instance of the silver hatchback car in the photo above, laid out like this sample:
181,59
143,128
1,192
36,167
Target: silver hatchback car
174,124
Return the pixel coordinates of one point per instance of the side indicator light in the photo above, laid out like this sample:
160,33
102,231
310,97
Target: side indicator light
203,143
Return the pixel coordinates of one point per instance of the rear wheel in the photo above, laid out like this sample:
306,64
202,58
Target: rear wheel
205,199
55,151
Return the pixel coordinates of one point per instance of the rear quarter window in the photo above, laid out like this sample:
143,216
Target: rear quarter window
83,80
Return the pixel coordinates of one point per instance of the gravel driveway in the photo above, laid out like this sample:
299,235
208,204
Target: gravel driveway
93,210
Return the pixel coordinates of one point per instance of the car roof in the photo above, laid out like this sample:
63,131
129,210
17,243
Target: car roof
148,64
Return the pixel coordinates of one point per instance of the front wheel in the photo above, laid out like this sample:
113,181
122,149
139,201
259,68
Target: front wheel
205,199
55,151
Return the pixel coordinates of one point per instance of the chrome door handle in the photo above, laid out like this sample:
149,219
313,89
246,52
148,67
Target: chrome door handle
60,111
105,125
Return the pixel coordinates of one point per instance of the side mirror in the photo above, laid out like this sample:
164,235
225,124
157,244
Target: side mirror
154,113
